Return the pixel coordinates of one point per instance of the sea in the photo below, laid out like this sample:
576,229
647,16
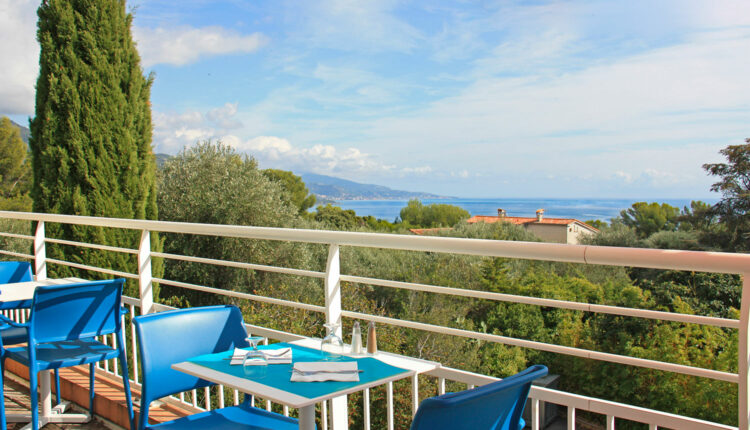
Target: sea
580,209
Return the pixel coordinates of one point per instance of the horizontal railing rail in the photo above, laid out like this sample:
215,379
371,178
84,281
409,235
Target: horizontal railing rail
552,303
715,262
701,261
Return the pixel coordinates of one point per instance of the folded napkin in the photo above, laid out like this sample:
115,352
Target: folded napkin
238,356
273,356
318,371
278,356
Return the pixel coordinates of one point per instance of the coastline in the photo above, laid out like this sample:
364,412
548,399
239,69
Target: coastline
582,209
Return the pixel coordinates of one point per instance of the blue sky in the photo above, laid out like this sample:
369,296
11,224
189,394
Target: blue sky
471,99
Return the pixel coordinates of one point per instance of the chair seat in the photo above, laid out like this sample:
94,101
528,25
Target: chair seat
66,353
231,418
14,335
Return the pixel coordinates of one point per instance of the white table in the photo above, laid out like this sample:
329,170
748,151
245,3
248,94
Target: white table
305,405
25,291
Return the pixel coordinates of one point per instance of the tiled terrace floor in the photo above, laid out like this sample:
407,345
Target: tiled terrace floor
17,401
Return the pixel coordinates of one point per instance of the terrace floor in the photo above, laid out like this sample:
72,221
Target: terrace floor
17,401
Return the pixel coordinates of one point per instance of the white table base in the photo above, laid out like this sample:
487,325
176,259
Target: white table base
48,414
307,417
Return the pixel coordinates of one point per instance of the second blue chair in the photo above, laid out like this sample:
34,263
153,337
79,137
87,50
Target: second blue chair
495,406
175,336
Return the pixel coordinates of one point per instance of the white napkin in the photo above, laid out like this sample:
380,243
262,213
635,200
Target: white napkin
278,356
238,356
273,356
318,371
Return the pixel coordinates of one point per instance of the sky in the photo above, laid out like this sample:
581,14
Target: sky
534,98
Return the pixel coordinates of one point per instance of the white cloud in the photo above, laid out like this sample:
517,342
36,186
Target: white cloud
20,53
184,45
369,26
624,176
278,152
224,116
421,170
669,109
173,131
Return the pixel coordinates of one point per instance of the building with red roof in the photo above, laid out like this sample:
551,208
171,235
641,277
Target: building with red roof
560,230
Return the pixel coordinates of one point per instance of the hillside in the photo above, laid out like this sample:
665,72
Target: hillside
25,133
332,188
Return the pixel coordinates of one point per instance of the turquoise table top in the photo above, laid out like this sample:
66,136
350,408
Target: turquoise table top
278,375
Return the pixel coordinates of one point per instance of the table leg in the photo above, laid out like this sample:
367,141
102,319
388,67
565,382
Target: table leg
307,418
48,414
339,413
45,392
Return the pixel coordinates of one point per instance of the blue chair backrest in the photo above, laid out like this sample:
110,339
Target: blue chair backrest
171,337
15,271
75,311
494,406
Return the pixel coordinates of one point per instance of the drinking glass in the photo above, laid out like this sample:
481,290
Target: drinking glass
255,362
332,344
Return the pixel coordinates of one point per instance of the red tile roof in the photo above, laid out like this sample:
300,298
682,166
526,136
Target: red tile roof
526,220
421,231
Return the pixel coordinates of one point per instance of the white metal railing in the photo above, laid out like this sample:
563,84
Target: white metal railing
647,258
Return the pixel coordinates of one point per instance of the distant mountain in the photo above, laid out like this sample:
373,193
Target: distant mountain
331,188
161,159
25,133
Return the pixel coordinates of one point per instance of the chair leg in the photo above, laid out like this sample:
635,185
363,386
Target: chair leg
57,384
33,386
3,425
92,394
123,359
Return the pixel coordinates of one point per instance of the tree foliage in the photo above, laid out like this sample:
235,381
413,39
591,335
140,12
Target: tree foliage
293,184
15,169
734,207
333,217
648,218
416,214
210,183
91,134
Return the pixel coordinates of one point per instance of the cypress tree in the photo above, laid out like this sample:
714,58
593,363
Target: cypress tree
91,135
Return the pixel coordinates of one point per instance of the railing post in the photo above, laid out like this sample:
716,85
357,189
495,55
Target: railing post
145,285
333,288
339,413
743,357
40,253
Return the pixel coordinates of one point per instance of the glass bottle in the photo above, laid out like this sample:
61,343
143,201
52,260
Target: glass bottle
372,339
356,339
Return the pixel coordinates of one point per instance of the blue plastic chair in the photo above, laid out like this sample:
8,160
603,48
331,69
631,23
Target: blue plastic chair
12,272
175,336
61,333
495,406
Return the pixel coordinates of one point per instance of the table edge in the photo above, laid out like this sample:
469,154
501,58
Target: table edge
274,394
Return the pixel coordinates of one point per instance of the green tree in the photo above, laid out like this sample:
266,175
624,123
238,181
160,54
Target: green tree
734,207
91,134
333,217
699,216
616,234
293,184
648,218
416,214
15,169
210,183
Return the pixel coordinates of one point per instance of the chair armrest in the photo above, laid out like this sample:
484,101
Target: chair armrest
5,322
123,311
